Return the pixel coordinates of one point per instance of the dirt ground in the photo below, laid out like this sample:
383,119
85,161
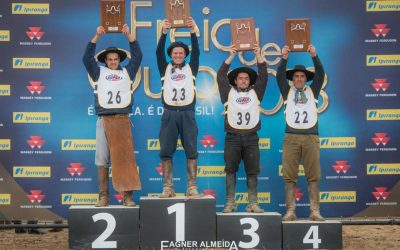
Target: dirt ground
380,237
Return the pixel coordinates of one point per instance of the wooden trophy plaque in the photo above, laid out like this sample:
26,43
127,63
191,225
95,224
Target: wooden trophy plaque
298,34
243,34
112,15
177,11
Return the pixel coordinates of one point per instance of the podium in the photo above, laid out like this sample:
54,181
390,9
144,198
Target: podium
312,234
171,222
113,227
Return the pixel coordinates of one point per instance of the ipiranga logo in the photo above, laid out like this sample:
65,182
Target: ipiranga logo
388,5
31,63
383,169
301,170
5,144
31,171
383,114
30,8
211,171
337,142
5,90
31,117
263,197
338,196
264,143
383,60
5,199
78,144
4,35
79,199
154,144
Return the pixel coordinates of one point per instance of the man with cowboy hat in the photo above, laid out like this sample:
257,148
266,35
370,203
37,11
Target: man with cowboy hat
113,103
179,99
301,142
241,92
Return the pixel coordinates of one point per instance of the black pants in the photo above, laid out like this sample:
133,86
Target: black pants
242,147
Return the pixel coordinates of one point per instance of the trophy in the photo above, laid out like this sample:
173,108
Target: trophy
298,34
176,11
112,15
243,34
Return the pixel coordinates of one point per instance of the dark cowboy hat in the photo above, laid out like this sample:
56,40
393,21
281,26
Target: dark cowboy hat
175,45
290,73
103,55
234,73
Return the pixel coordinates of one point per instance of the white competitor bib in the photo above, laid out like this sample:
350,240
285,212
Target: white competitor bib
113,88
303,114
178,88
243,111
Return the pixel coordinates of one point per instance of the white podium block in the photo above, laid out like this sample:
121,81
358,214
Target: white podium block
177,222
306,234
250,230
112,227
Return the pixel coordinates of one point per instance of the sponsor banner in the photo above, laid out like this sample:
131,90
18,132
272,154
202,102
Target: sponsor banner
30,8
341,168
5,90
31,63
79,199
211,171
337,142
383,5
154,144
381,85
4,35
383,114
383,60
31,171
301,170
78,144
381,194
381,31
264,143
31,117
5,144
338,196
5,199
383,168
263,197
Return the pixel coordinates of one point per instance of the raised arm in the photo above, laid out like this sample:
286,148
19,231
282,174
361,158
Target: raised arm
89,61
281,73
262,76
319,76
136,53
160,52
222,77
195,53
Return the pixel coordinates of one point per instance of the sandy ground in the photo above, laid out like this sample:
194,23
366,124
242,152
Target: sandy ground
354,237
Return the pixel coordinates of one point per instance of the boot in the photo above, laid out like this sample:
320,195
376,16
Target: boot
290,193
230,205
168,189
253,206
103,187
191,171
313,193
127,199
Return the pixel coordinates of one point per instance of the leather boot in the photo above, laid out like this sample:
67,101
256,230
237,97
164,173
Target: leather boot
290,195
103,187
127,199
168,189
313,193
230,205
191,171
253,206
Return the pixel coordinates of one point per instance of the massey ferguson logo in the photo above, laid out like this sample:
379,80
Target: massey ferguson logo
178,77
75,169
35,87
159,169
380,83
113,78
380,193
36,195
243,100
119,197
208,141
35,141
380,30
298,194
341,166
35,33
380,138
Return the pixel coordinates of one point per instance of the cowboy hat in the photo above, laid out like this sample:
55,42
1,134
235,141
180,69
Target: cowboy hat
301,68
234,73
103,55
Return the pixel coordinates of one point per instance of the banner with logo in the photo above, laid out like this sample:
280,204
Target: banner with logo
47,117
